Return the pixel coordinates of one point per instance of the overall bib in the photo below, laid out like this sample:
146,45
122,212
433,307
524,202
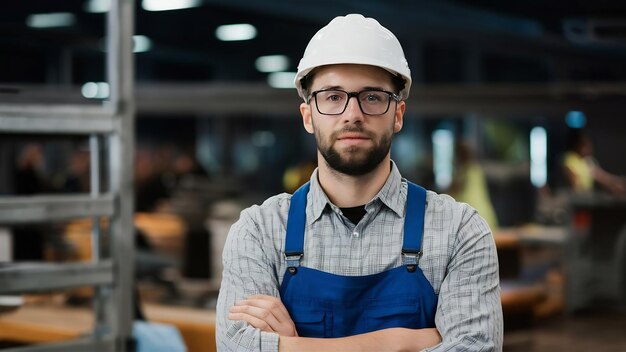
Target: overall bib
327,305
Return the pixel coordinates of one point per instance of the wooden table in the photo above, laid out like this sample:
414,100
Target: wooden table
39,323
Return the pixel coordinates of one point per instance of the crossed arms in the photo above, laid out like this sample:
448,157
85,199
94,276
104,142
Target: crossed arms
270,315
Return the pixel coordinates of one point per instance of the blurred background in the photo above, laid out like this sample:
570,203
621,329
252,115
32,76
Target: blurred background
516,108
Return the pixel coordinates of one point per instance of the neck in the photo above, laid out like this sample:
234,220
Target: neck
350,191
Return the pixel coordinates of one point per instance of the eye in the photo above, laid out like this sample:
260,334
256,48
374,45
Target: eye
373,97
332,96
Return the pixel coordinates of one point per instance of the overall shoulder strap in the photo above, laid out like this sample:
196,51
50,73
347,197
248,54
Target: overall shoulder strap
294,241
414,223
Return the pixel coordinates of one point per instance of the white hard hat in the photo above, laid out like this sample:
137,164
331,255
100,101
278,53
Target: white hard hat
354,39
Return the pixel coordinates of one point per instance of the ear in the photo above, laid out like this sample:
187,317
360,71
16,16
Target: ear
399,116
305,111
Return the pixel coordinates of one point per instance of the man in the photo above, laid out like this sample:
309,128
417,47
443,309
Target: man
582,170
358,259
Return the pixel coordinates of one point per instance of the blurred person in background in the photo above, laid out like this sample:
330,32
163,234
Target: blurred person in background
29,178
358,259
582,170
469,184
28,239
77,179
151,193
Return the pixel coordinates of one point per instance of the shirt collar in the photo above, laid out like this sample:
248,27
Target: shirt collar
390,195
316,199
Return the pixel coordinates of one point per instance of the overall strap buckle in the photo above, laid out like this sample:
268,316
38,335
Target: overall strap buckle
293,261
411,259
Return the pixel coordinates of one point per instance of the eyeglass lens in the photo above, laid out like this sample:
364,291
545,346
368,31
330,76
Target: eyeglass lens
334,102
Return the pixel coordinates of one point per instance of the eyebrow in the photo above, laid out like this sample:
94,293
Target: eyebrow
331,87
342,88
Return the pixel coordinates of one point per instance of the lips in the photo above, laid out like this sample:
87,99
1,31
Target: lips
352,136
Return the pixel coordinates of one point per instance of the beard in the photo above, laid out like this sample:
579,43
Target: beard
354,161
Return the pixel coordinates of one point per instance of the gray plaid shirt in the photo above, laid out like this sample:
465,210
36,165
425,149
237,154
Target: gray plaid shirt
459,260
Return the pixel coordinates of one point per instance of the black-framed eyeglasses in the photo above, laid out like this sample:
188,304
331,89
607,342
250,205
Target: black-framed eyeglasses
372,102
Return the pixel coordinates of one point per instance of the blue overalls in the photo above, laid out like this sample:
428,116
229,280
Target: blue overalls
328,305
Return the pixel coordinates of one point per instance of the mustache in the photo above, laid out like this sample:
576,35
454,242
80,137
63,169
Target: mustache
353,129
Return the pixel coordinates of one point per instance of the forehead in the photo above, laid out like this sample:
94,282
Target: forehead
351,77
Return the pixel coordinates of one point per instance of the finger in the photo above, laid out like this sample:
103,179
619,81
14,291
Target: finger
252,320
279,313
281,321
258,313
271,303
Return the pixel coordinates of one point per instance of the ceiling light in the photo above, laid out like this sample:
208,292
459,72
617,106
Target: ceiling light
443,154
575,119
141,43
50,20
97,6
538,156
281,79
95,90
166,5
235,32
272,63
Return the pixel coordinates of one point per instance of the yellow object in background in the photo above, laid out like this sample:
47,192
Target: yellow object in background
474,192
469,184
581,170
296,176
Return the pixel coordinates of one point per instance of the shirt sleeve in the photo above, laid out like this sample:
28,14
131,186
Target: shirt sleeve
246,272
469,310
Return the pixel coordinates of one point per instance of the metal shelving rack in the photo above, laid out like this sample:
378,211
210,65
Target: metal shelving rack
109,124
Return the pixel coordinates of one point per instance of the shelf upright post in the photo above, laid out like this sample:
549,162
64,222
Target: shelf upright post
120,74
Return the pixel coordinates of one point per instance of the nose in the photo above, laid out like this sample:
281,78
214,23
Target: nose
353,110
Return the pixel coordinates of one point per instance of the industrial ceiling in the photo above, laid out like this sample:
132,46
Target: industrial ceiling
462,42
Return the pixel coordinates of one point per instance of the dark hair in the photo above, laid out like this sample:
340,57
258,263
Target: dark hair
397,81
576,138
305,82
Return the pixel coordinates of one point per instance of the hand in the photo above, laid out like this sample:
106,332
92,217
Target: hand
266,313
619,186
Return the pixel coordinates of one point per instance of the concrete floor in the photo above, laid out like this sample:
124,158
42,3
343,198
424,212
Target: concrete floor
592,331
